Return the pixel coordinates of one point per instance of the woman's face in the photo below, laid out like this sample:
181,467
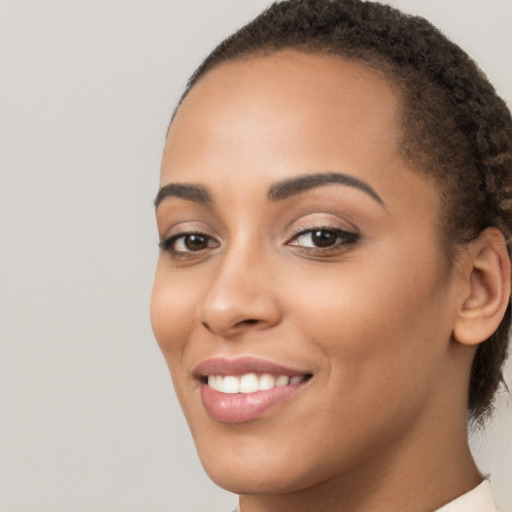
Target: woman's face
301,262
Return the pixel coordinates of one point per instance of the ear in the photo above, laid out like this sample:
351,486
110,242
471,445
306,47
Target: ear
486,274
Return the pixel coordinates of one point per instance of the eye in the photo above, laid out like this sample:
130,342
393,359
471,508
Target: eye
187,243
323,238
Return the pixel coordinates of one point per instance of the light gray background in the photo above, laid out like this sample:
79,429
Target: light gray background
89,421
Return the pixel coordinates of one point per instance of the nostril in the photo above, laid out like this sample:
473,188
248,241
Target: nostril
206,326
249,321
230,328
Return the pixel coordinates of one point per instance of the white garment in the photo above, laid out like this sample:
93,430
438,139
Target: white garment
479,499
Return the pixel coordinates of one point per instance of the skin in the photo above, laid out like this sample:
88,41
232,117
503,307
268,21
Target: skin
381,425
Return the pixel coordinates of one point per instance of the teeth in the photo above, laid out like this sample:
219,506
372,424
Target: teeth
250,382
230,384
283,380
266,382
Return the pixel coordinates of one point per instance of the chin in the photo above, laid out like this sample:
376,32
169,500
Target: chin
255,480
254,469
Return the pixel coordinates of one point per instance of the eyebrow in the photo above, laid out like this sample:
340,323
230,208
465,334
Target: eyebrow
277,192
195,193
296,185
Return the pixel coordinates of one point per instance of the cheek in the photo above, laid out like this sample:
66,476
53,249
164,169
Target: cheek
382,325
173,306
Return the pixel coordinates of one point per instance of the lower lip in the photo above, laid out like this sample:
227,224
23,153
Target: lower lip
242,407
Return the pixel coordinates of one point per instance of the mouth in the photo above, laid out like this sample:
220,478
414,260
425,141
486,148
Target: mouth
242,390
251,382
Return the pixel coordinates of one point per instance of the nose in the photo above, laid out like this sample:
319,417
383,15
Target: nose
241,296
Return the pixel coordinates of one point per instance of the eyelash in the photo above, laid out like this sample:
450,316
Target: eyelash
168,244
342,239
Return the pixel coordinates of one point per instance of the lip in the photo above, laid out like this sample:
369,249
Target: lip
240,365
244,407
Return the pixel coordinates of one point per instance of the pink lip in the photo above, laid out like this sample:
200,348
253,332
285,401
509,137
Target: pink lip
243,407
241,365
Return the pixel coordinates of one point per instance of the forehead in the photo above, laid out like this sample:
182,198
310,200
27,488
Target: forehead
248,125
286,103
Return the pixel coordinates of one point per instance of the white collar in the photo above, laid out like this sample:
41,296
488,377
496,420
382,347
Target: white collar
479,499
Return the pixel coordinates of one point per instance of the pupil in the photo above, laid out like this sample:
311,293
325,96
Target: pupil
195,242
323,238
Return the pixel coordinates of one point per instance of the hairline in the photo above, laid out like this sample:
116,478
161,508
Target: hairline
374,61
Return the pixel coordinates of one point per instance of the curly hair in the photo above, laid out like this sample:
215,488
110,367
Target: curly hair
455,127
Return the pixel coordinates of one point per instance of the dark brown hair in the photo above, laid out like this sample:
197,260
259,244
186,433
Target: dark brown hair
455,127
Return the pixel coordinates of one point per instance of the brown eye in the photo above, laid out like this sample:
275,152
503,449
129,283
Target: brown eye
188,243
195,242
323,238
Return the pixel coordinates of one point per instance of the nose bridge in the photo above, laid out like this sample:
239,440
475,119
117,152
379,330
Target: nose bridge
240,295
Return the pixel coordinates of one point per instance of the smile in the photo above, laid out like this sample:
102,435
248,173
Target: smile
251,382
245,389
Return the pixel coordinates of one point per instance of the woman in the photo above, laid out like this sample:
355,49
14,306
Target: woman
332,294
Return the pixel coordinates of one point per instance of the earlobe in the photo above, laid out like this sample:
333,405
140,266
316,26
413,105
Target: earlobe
487,290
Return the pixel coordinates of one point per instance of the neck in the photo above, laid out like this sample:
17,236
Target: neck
402,477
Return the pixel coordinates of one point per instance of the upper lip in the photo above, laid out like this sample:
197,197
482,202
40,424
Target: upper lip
242,365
